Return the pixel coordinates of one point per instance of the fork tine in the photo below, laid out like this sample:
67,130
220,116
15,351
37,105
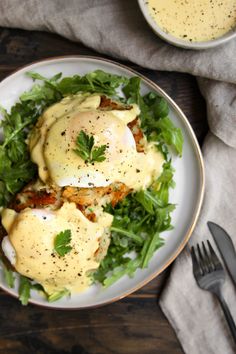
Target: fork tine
196,266
201,260
215,260
208,262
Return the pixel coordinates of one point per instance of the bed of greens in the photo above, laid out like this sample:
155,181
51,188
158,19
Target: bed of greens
141,217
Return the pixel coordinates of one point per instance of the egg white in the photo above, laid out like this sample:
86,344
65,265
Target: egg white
9,250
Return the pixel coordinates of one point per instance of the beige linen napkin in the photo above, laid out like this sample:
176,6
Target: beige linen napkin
118,28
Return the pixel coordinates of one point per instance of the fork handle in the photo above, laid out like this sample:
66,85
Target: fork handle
228,316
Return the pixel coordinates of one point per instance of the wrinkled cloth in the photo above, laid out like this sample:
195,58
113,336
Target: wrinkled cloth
117,28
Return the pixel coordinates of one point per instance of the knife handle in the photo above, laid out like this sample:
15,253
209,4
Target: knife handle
228,317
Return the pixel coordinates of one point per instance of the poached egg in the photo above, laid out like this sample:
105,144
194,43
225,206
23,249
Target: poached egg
53,145
29,245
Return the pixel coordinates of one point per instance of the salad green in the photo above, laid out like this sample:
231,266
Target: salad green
140,218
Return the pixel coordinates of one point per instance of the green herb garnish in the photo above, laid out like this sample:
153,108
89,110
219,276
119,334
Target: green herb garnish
62,241
86,149
58,295
24,290
8,275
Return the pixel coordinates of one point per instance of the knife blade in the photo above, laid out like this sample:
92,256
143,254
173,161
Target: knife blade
225,246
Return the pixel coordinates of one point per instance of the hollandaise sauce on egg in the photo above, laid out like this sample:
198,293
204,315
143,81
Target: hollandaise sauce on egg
30,245
53,145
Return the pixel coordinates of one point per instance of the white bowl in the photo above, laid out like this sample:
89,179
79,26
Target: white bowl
179,42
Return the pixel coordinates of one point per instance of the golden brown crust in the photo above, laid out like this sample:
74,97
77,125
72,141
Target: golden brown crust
28,198
109,105
134,126
92,196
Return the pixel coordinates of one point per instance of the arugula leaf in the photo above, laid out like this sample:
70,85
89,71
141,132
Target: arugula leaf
129,234
138,221
165,182
25,287
148,251
168,133
97,81
86,150
129,268
143,198
8,275
61,243
24,290
42,93
154,117
58,295
38,287
160,107
37,76
132,91
16,169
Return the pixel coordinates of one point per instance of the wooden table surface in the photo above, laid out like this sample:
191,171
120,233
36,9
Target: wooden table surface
132,325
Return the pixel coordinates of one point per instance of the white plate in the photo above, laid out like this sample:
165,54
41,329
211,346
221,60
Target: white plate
189,178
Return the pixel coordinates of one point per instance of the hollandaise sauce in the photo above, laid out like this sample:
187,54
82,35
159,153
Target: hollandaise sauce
194,20
54,140
30,245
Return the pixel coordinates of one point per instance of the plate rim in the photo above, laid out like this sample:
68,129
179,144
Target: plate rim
199,156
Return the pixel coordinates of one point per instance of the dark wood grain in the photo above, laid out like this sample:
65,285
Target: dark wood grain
132,325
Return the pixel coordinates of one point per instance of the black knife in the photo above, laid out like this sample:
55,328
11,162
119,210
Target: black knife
225,246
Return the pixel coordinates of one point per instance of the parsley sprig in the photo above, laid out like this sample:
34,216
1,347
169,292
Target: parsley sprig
86,149
62,243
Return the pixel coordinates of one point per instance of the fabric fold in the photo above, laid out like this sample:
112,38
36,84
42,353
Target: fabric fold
195,314
119,29
221,108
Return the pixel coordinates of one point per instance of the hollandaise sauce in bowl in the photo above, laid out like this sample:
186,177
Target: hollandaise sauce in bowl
194,24
88,158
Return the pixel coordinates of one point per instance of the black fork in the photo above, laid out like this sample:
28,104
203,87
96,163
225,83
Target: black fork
210,275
